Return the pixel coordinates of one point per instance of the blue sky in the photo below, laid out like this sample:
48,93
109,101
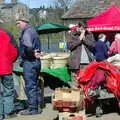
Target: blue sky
35,3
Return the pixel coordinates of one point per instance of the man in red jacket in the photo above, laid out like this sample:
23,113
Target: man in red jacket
8,54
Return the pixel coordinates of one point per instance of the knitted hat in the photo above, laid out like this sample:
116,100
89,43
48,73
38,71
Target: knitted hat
22,17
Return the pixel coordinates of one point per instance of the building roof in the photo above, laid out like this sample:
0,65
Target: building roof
9,10
88,8
7,5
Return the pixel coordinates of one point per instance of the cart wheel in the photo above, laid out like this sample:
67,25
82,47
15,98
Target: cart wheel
99,111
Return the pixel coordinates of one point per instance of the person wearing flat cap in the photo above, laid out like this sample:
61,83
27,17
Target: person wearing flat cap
30,50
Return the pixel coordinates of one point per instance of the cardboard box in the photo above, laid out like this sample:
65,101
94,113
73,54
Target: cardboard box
67,97
72,116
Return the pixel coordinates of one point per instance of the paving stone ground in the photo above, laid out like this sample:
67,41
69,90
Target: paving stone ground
50,114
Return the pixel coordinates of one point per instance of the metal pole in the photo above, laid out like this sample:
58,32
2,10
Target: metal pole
48,43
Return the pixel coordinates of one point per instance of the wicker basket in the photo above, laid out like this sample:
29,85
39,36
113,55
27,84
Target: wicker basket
46,61
60,60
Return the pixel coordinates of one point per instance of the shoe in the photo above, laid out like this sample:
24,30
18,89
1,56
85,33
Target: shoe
9,116
41,105
1,117
29,112
39,109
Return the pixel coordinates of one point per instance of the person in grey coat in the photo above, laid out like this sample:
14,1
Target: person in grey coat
80,45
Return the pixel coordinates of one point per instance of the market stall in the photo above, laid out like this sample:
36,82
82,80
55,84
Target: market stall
107,22
53,72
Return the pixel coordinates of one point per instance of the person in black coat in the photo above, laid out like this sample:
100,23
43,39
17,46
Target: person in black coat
80,43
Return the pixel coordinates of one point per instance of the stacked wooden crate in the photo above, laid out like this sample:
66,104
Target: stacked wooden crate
72,115
69,103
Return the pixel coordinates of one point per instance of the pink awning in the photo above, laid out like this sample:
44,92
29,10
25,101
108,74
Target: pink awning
109,20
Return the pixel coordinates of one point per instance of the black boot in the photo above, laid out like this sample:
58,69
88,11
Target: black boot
1,117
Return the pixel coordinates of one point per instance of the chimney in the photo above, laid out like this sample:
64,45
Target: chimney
2,1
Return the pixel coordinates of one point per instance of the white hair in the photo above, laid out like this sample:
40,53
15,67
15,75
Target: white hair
102,37
117,36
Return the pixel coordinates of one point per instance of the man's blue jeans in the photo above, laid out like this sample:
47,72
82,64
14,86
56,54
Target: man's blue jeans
31,70
6,94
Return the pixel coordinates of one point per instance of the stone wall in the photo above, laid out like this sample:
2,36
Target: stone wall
2,1
9,11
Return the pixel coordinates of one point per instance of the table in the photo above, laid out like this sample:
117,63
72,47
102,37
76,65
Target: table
61,73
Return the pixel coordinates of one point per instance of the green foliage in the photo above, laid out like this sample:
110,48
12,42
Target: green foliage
11,27
34,20
52,15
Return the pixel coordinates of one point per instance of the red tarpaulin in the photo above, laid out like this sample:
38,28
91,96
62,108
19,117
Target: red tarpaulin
109,20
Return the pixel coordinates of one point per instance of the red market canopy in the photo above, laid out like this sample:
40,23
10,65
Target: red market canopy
109,20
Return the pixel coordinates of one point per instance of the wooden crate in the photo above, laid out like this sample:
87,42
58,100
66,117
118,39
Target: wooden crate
72,116
68,98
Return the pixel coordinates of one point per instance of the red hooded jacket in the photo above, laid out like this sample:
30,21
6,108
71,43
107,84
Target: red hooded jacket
8,53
